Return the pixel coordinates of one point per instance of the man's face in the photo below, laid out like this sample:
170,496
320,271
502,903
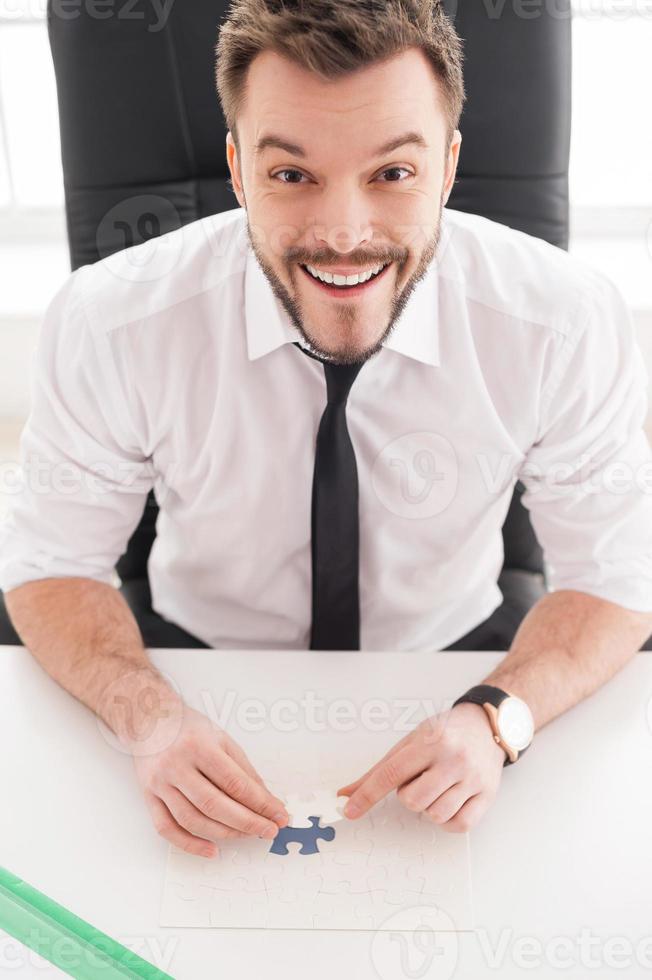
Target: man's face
343,206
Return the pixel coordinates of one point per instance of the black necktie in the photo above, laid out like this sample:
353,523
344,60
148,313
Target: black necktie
335,533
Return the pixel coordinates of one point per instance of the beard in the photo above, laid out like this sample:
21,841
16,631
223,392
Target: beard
347,314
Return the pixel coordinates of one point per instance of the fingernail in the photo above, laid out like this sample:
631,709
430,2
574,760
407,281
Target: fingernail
351,810
280,817
270,832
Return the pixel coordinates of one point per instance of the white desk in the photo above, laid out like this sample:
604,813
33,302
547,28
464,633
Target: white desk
562,861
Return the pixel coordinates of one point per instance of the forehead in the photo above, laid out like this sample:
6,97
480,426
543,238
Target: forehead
389,97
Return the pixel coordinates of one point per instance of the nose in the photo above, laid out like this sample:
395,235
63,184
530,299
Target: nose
343,223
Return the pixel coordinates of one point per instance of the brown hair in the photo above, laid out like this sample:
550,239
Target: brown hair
333,38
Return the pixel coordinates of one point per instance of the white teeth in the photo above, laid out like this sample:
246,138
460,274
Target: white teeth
356,280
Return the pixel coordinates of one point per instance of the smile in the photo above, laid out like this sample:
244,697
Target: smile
345,285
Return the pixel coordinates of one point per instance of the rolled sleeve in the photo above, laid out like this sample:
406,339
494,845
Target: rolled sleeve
588,477
83,481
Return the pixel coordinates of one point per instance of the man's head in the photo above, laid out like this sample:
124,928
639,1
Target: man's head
314,92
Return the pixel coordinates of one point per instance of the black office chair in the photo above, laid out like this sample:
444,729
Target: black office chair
142,140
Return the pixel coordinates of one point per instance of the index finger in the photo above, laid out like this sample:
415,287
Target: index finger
230,777
388,775
350,788
238,753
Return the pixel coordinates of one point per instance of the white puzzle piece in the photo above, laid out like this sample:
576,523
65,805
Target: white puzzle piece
322,803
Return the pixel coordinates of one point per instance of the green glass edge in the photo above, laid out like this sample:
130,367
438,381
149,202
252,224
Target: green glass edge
23,908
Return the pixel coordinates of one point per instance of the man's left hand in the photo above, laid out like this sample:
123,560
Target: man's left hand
449,767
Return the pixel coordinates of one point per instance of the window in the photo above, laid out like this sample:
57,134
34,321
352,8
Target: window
30,165
611,147
610,174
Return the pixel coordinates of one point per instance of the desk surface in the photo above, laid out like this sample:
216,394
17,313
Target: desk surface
562,862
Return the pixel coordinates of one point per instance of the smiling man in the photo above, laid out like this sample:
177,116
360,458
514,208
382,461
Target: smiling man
333,417
341,212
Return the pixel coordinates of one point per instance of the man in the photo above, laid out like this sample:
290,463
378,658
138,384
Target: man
300,426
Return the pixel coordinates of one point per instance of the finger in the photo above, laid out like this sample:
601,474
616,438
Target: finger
238,754
396,770
217,805
418,794
167,827
468,815
232,779
190,818
351,787
445,806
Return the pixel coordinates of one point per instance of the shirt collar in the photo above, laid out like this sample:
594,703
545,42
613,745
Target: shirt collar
269,326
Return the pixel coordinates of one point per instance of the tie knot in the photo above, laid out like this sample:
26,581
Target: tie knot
339,377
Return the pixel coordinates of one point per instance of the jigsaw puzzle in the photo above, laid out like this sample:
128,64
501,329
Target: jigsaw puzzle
315,876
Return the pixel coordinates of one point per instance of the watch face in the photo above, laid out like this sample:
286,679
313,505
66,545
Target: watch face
515,723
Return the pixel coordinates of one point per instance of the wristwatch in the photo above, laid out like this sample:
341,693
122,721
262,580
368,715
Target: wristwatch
510,718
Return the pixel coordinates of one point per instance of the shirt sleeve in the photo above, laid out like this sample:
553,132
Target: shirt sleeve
588,477
83,481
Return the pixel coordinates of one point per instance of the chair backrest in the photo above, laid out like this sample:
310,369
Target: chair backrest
142,141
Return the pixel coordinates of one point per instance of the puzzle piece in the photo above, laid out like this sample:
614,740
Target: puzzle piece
247,906
363,839
369,915
306,836
420,838
399,885
356,863
395,833
237,867
300,888
323,909
386,811
191,904
324,802
240,855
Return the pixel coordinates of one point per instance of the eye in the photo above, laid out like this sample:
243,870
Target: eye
395,170
295,172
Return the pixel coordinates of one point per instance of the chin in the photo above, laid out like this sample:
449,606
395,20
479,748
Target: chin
349,353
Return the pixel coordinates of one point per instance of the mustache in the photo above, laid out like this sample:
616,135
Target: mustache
356,260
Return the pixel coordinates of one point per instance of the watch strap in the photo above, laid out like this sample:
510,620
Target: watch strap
486,693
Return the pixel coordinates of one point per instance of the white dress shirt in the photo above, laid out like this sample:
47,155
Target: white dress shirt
171,365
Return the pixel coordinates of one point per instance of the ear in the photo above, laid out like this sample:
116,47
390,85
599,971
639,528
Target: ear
451,165
234,168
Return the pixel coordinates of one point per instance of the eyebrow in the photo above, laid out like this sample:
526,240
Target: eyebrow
279,143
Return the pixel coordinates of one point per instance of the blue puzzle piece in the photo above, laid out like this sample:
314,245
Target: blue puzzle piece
306,836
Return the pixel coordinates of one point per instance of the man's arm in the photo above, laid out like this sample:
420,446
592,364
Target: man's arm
85,480
85,636
589,492
569,644
588,487
86,476
198,784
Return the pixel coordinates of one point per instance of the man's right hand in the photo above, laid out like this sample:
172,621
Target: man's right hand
198,783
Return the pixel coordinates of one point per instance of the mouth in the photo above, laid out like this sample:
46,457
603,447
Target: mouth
343,290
